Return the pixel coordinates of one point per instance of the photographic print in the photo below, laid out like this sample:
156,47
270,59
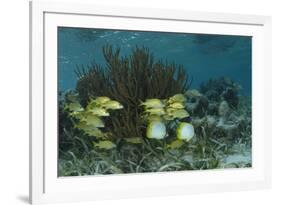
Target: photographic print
145,101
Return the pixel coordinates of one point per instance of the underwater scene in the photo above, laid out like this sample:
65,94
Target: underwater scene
143,101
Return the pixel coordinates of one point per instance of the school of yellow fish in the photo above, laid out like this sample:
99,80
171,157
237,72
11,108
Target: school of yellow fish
157,114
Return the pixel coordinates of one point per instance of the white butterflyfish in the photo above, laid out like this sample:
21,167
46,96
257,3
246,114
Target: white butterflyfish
156,130
185,131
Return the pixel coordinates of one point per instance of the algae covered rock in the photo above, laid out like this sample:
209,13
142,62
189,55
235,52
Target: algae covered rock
221,89
197,103
217,108
223,109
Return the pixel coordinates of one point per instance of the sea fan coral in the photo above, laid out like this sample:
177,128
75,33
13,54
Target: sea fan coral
130,80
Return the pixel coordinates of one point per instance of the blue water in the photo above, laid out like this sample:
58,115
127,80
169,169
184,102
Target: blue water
203,56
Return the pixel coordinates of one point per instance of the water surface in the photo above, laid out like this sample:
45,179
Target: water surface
203,56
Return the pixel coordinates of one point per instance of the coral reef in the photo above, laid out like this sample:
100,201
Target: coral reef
223,122
221,88
222,115
131,97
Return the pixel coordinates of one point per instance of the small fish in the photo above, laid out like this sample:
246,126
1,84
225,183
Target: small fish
170,110
193,93
77,115
98,111
82,125
81,115
180,114
74,107
101,100
113,105
106,144
185,131
155,111
93,120
153,117
175,144
168,117
176,105
156,130
153,103
95,133
177,98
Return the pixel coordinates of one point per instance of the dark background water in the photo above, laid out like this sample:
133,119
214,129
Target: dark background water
203,56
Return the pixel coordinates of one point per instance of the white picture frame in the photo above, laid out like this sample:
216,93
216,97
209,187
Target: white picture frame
46,187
